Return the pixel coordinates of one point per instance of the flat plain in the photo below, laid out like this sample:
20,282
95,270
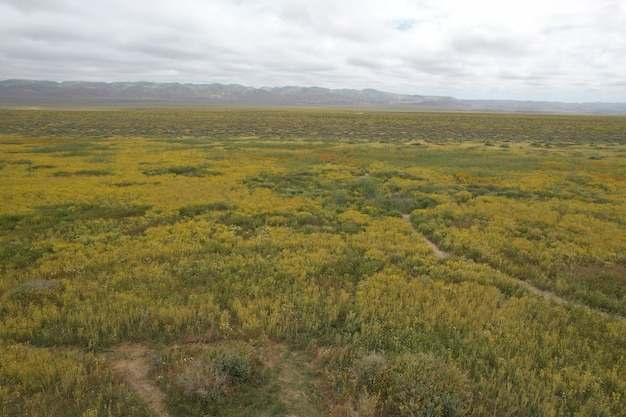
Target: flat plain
238,262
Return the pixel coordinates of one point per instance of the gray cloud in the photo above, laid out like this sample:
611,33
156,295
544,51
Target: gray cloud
30,6
482,49
491,42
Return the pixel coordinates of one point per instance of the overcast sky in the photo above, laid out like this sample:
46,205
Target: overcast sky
558,50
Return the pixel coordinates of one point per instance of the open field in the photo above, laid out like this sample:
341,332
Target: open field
235,262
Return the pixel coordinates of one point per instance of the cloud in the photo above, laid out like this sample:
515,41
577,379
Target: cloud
29,6
493,42
535,49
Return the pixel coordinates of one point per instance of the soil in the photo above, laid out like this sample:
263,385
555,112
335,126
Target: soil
295,374
130,362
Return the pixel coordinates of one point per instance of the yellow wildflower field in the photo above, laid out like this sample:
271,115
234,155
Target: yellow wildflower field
258,253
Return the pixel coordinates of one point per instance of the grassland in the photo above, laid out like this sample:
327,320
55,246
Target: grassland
256,262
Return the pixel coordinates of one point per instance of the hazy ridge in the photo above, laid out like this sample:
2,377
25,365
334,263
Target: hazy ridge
81,93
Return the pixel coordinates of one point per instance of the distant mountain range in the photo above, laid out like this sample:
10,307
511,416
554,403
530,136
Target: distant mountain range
22,93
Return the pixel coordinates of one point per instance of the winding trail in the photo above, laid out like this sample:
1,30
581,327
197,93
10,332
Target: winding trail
438,252
547,295
129,361
550,296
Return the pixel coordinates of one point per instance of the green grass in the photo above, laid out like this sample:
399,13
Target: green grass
265,250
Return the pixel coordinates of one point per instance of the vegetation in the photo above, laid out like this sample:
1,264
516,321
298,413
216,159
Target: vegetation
262,256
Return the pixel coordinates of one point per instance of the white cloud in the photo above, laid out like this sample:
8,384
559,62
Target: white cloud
537,49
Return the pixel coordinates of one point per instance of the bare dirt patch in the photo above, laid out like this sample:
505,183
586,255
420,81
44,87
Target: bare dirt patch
295,374
131,364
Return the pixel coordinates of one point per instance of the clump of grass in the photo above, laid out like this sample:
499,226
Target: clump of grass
37,292
23,162
369,370
395,174
22,254
73,212
84,173
411,385
425,385
127,184
214,374
35,286
10,221
186,170
202,380
303,183
42,166
197,209
70,148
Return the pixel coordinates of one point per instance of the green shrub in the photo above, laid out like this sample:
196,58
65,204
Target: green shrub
424,385
39,292
369,370
216,373
202,380
462,197
232,362
195,210
187,171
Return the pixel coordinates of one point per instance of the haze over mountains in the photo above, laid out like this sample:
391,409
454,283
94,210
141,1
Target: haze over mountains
79,93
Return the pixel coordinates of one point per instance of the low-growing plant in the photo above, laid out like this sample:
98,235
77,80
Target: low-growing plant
417,385
201,379
214,374
37,291
188,171
197,209
301,243
369,371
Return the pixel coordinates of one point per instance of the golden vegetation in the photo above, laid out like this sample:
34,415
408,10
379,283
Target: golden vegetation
211,233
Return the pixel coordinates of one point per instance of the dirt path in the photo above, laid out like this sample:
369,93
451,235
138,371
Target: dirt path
441,255
438,252
129,361
550,296
296,379
547,295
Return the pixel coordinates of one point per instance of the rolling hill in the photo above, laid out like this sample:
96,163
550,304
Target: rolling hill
81,93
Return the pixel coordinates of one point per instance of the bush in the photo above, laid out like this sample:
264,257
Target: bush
196,210
214,374
232,362
369,370
422,385
412,385
462,197
202,380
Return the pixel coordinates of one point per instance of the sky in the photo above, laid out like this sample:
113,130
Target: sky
554,50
